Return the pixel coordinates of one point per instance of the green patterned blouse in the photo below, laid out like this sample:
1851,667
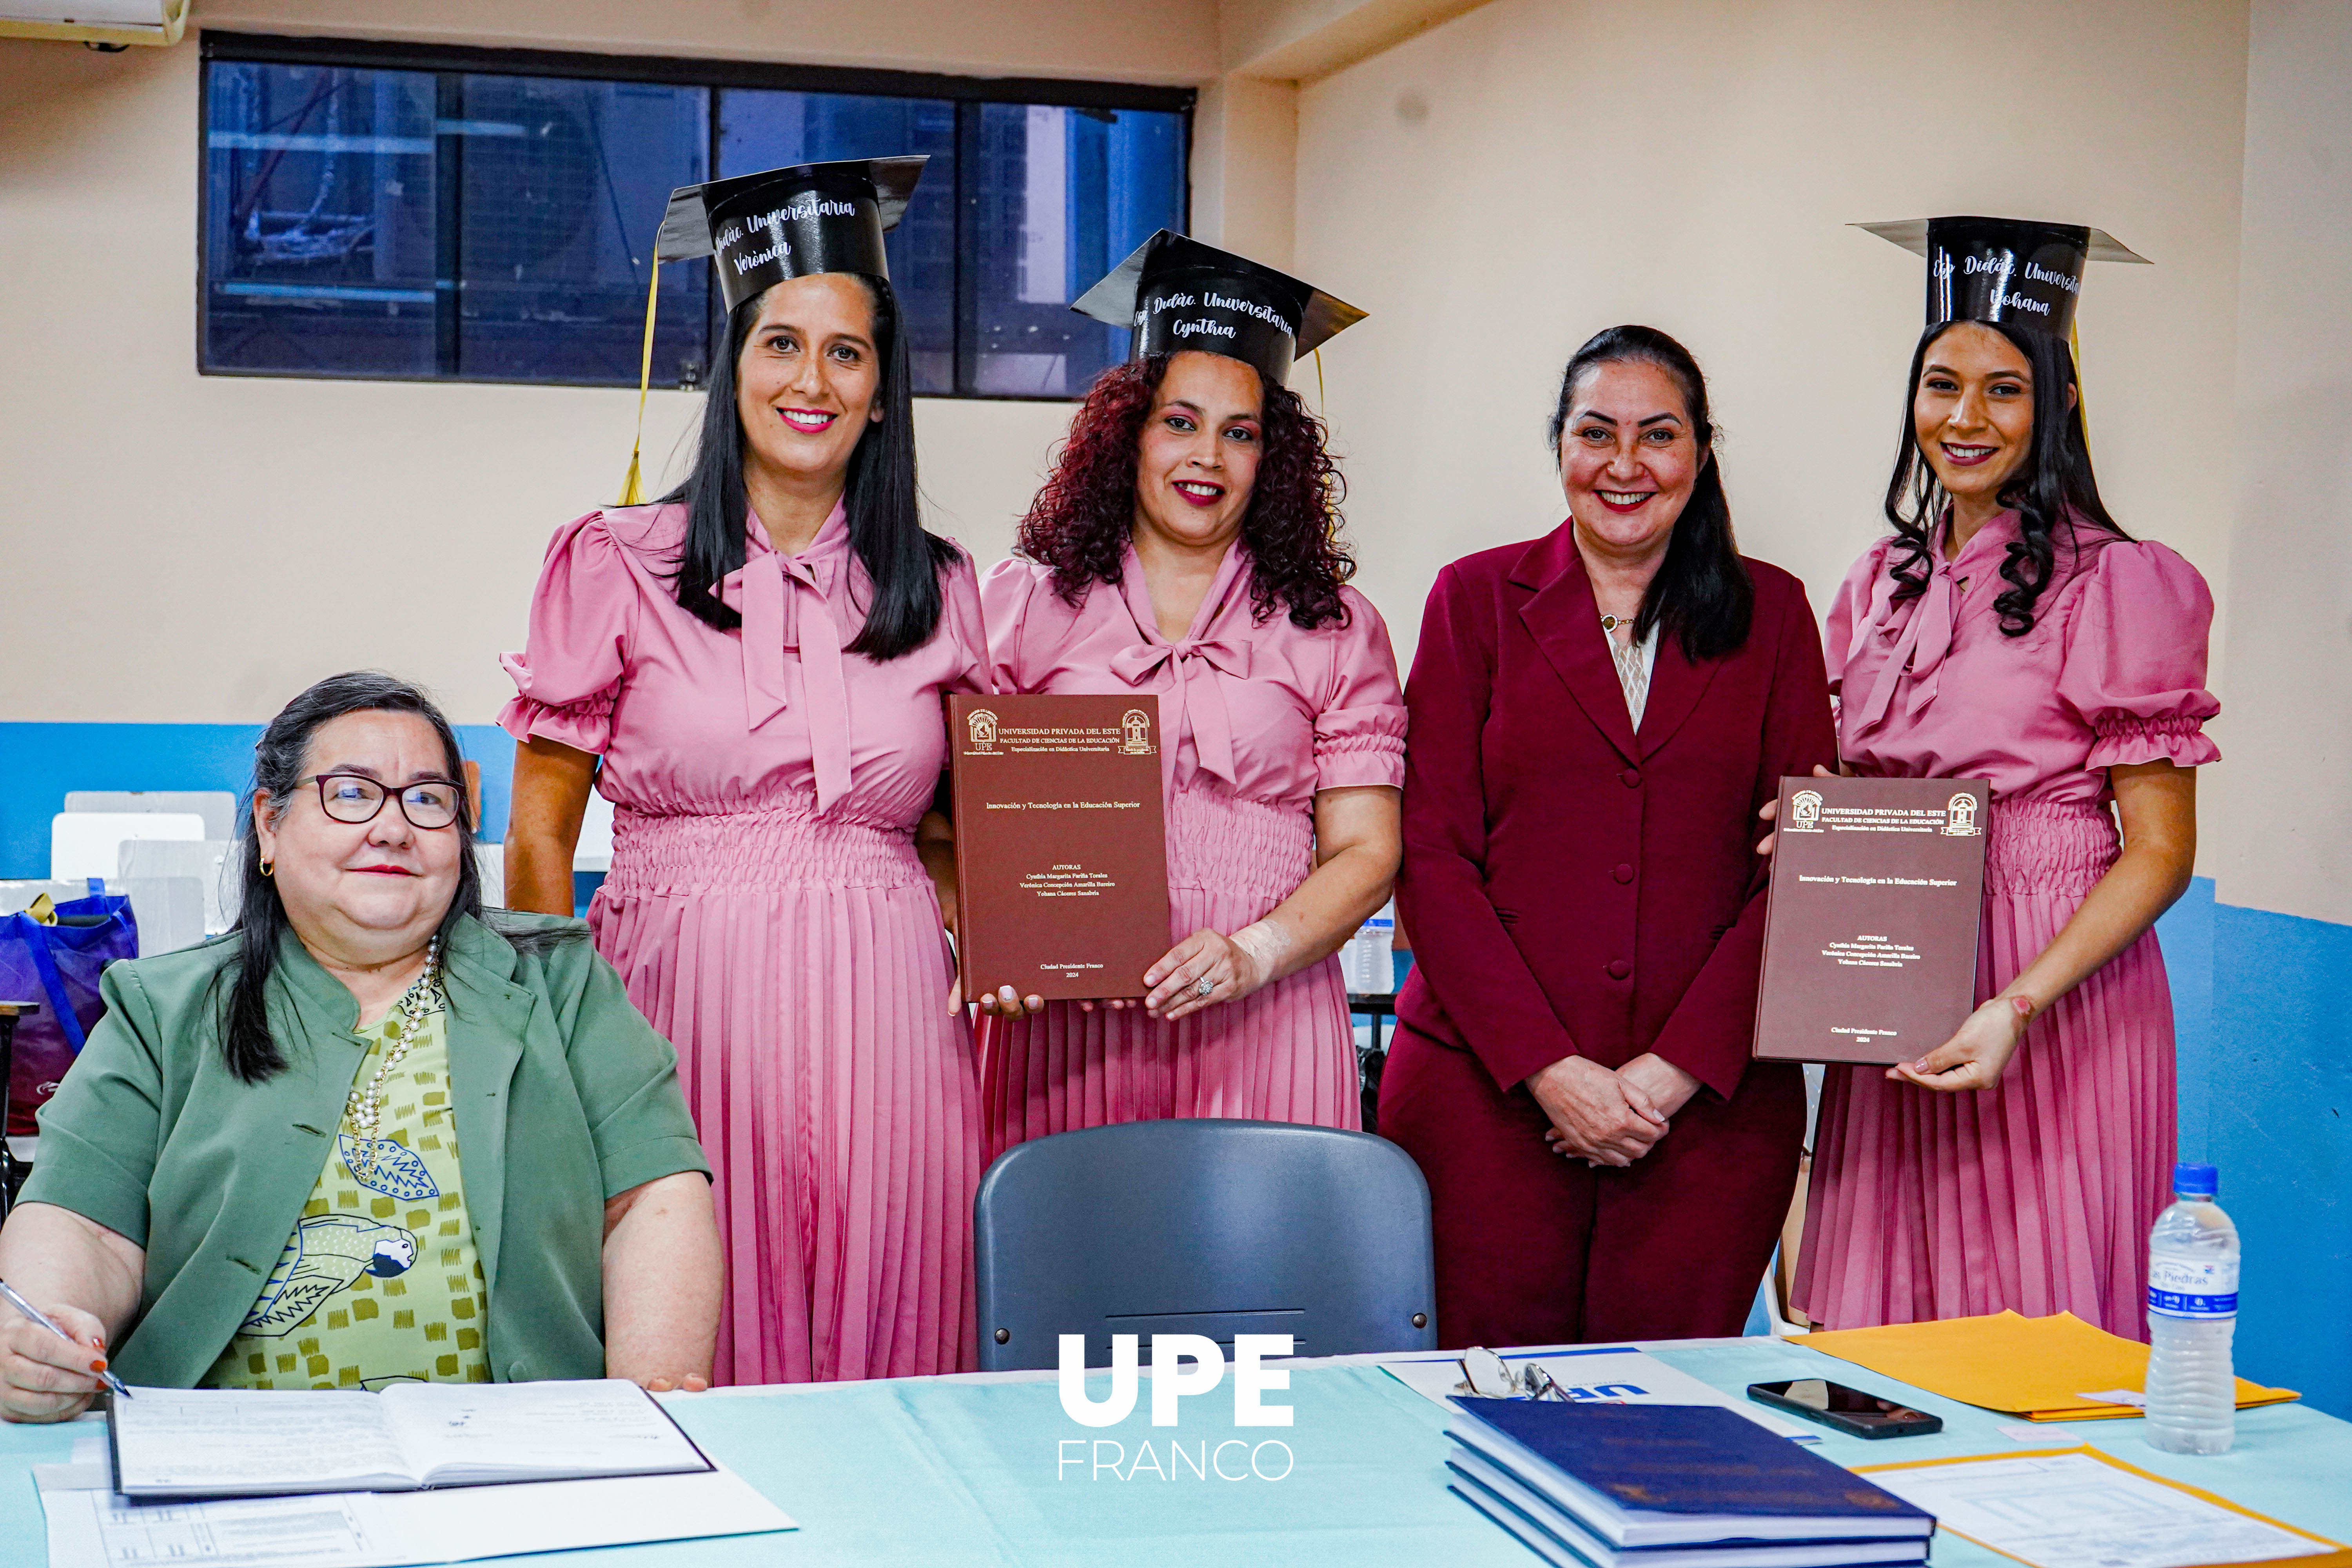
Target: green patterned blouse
380,1282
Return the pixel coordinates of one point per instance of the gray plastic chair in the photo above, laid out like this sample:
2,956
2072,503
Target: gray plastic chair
1203,1226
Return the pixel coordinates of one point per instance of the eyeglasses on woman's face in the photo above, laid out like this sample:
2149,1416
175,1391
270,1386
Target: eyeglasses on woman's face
356,798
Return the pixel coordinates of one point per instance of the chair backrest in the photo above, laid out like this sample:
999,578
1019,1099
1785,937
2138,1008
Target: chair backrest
84,844
216,806
216,864
1203,1226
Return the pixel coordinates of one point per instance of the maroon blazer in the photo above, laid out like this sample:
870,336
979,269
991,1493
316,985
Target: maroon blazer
1572,887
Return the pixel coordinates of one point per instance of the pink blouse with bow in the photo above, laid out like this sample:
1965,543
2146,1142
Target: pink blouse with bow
2112,672
692,720
1267,710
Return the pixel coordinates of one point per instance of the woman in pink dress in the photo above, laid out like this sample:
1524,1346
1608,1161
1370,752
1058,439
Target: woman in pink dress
757,661
2010,630
1187,545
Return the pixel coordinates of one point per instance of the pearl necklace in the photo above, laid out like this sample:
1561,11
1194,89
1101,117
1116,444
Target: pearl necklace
365,1107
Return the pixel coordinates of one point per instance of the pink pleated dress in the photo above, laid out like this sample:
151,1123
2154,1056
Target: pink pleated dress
768,913
1258,716
2035,1195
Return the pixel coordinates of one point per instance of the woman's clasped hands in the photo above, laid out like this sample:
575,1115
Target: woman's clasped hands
1606,1118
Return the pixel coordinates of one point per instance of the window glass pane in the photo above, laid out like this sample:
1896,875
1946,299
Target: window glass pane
564,183
319,236
454,226
1062,195
761,130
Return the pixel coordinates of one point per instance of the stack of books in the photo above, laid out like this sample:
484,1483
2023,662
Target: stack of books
1671,1486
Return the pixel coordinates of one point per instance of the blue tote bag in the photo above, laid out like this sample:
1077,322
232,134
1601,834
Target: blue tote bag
57,966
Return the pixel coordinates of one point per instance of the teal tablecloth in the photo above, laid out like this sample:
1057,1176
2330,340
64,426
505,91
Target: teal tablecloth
944,1473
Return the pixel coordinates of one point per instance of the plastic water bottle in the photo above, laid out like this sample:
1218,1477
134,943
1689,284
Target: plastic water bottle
2192,1313
1365,961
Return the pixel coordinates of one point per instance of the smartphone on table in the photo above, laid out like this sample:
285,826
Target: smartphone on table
1844,1409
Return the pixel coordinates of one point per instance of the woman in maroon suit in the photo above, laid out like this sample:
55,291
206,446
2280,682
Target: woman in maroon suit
1596,719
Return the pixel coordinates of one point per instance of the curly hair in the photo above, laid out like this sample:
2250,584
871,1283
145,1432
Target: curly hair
1078,525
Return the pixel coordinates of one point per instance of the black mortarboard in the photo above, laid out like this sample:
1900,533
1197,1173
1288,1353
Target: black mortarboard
2006,269
760,229
1179,294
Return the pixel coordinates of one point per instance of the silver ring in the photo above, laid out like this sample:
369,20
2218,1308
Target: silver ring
1203,985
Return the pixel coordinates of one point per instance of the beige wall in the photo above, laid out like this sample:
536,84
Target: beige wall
2278,815
204,545
1172,41
1501,187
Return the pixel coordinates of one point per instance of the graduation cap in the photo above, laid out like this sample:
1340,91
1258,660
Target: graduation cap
760,229
2012,271
1179,294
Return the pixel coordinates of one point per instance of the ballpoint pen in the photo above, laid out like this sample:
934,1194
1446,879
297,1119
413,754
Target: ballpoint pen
36,1315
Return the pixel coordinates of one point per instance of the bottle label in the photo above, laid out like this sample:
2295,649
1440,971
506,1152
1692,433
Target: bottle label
2177,1288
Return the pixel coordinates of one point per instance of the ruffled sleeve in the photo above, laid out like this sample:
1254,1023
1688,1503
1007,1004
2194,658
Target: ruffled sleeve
1359,733
569,677
1005,598
2135,651
964,625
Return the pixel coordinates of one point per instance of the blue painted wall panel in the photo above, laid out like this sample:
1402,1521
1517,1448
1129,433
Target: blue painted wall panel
2280,1127
2262,1005
2186,933
40,762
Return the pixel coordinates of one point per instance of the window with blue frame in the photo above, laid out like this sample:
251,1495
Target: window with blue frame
376,210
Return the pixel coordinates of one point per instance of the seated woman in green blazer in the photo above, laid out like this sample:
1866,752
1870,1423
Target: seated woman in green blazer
254,1170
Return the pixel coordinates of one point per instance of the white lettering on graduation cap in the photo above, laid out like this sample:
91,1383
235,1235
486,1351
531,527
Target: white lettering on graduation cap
1211,299
1216,302
2037,273
775,252
806,206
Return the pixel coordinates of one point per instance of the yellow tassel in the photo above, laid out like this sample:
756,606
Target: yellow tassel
632,487
1320,398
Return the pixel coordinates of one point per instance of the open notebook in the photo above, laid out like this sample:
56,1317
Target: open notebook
212,1443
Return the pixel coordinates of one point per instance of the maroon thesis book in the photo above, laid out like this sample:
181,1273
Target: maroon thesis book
1061,846
1870,943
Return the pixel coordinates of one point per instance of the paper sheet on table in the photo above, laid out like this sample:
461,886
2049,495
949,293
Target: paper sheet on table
90,1527
2078,1509
2047,1369
1608,1375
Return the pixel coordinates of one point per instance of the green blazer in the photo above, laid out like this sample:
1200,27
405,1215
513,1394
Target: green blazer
565,1098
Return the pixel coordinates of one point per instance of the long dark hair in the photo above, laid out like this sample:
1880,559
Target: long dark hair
278,766
1702,594
1079,522
2054,489
886,525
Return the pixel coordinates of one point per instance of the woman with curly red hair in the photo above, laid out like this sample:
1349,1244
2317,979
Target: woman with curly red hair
1187,544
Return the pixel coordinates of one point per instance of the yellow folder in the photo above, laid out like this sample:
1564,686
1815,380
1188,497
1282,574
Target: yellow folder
2045,1369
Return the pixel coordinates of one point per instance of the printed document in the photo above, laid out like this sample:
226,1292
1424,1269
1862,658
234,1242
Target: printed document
2082,1510
90,1527
210,1441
